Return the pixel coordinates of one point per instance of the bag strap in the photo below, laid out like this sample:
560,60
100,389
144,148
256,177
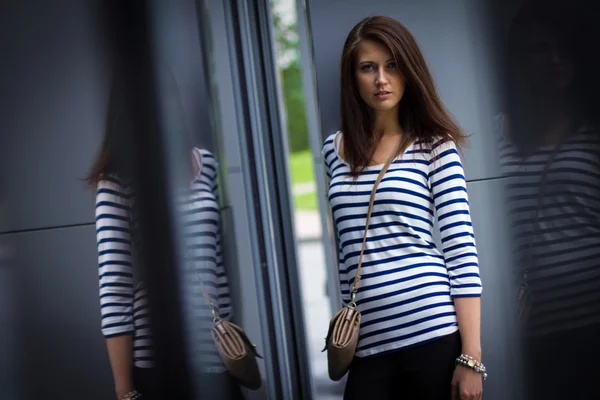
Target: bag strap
539,206
209,302
384,169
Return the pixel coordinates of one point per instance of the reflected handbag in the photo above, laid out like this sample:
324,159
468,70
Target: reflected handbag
344,327
235,350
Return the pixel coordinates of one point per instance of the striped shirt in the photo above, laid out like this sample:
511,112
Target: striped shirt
408,285
123,297
561,247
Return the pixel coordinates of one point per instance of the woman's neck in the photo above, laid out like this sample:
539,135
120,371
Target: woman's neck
556,120
386,123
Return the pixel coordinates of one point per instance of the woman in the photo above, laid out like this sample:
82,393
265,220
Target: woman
550,155
124,308
420,306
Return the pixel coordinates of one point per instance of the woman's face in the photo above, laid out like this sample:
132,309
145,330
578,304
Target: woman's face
380,82
547,63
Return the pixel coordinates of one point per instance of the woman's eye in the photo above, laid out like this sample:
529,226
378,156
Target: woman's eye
367,68
392,65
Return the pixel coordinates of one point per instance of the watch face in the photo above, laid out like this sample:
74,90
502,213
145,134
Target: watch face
471,363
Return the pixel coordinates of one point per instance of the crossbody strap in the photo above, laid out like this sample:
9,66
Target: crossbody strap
386,166
209,302
539,205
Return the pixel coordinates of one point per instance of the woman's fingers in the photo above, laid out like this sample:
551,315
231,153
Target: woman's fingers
466,394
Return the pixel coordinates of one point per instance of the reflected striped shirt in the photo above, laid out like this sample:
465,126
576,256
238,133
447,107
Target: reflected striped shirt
561,247
123,297
407,287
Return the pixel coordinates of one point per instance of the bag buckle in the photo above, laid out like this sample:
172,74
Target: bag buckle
352,303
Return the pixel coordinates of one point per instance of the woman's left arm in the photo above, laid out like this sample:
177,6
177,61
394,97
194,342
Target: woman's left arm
223,292
468,314
449,190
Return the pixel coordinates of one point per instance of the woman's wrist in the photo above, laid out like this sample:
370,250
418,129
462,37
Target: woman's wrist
471,345
472,351
132,395
467,361
122,391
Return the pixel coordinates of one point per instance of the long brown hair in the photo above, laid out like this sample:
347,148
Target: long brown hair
111,158
422,114
567,22
117,154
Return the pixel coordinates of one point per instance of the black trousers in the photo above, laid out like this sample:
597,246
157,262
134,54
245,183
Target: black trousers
219,386
420,373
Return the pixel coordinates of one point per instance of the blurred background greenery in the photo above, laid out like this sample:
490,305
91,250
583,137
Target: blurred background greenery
288,61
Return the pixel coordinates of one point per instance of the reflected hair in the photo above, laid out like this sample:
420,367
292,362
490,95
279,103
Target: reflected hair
111,158
566,22
117,152
422,115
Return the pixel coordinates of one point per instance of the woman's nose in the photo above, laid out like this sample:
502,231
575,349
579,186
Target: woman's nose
381,78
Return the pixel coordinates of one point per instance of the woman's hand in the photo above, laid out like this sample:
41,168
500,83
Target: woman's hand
467,384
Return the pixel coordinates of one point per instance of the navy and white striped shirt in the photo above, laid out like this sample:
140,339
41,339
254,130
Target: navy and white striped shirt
560,248
123,297
408,285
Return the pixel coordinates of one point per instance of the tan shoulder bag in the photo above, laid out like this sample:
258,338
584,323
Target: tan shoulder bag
344,327
235,349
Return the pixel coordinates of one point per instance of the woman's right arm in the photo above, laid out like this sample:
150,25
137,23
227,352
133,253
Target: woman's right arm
120,354
327,153
113,211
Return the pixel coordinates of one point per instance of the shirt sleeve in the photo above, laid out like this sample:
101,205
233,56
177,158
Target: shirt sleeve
328,154
113,234
449,190
223,292
210,168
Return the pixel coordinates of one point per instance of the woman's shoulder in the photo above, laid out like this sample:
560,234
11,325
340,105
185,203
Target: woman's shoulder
208,161
330,145
440,144
114,182
114,188
205,153
207,156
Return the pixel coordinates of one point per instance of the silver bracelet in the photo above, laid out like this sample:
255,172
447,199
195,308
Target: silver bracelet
133,395
470,362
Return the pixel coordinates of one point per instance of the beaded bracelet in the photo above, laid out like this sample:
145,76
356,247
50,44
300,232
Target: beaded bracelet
133,395
470,362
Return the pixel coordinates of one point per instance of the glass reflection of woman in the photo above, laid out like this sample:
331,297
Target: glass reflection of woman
550,153
420,305
124,308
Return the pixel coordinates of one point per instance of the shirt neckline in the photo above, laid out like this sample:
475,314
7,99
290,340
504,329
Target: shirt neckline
368,167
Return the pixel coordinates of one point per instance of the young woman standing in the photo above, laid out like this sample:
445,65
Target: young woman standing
124,307
420,328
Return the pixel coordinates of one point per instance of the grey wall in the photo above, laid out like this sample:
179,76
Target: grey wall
54,81
54,88
178,47
53,94
459,49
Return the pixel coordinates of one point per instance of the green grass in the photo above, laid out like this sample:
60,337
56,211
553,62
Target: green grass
301,166
302,171
306,202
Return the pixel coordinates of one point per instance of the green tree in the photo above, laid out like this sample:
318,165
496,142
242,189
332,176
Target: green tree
288,60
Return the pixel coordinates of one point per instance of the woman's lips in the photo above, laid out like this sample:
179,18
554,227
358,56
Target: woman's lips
383,95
